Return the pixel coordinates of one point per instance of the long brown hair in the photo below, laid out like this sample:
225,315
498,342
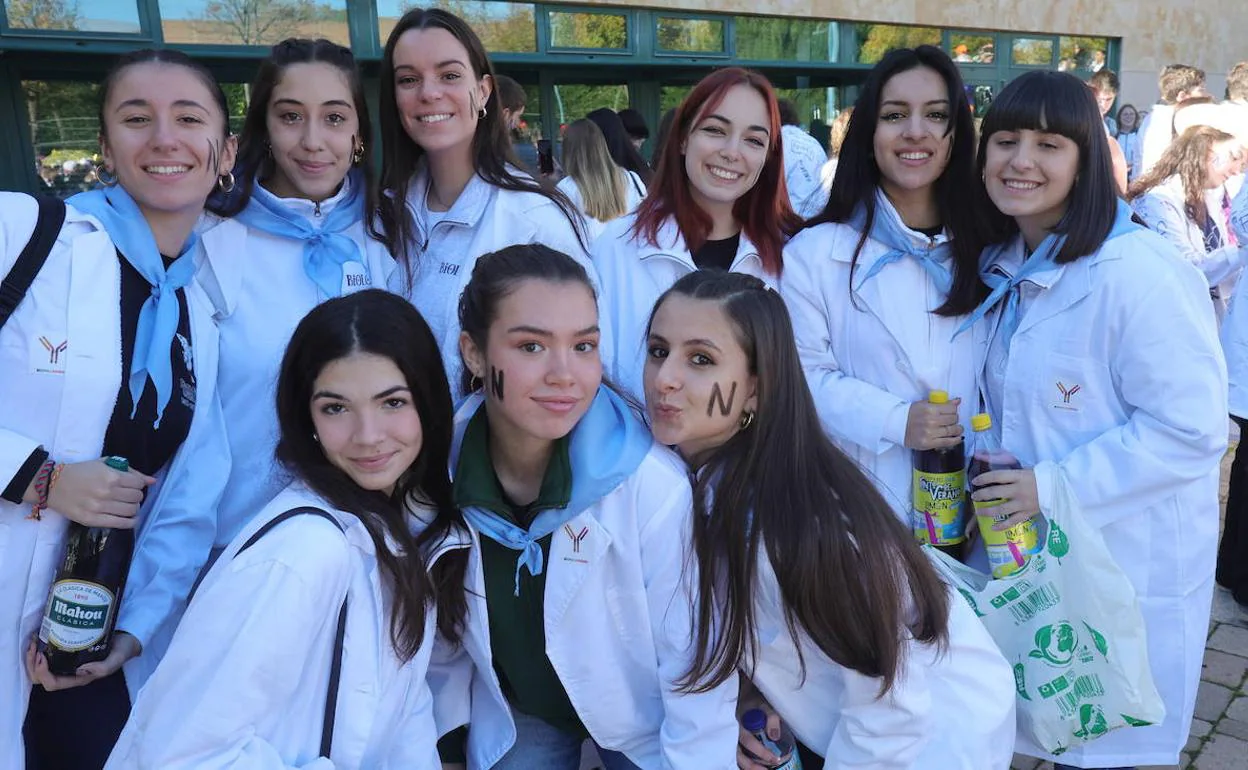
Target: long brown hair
588,162
851,576
1188,158
764,211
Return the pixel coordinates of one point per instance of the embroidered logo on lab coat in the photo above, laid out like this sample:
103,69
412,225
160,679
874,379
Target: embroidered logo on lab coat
51,361
576,538
1068,396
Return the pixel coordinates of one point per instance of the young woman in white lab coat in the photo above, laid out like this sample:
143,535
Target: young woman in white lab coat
1104,361
811,585
580,588
1174,200
878,283
364,414
451,189
600,190
76,388
292,235
718,200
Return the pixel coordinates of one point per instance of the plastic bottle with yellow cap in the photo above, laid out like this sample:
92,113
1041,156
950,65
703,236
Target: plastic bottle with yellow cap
1009,549
939,493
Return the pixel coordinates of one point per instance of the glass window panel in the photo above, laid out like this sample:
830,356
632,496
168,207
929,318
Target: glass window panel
973,47
1083,54
783,39
503,27
670,97
252,22
690,35
980,96
65,130
1032,52
875,40
588,30
116,16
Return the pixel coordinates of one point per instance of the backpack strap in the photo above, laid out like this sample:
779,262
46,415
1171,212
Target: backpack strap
47,227
335,668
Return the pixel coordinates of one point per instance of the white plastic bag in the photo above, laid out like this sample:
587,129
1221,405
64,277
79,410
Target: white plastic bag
1070,626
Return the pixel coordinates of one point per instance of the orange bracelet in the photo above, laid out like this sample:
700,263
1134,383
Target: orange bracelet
36,510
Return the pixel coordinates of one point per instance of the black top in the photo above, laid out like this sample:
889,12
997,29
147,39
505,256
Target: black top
930,232
147,446
719,254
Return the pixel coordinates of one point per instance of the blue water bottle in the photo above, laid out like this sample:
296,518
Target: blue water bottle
755,723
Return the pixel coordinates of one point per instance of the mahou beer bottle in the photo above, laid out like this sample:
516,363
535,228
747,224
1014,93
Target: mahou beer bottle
82,605
939,493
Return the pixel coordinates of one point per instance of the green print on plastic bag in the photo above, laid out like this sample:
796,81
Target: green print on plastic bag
1098,639
1092,721
1055,644
1059,544
1133,722
1020,681
971,601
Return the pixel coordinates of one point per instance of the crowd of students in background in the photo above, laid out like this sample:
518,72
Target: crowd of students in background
608,452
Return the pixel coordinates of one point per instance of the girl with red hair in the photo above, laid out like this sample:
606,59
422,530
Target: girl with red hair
717,200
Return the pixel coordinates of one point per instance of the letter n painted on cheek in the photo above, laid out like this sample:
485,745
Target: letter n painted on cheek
496,382
717,397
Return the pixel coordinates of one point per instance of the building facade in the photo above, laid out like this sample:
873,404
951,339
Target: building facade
575,57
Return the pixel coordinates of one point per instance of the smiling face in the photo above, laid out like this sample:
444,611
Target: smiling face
727,149
313,131
1226,159
366,421
1029,175
912,137
1127,118
540,365
697,378
437,93
164,138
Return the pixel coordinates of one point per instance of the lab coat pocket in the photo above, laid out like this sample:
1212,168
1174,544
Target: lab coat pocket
1074,392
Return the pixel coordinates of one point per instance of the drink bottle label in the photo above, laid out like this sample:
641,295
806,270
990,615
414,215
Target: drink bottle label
77,615
1009,549
938,499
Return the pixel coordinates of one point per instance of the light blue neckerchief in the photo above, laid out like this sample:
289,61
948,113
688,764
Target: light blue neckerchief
1040,259
888,229
325,248
605,448
159,316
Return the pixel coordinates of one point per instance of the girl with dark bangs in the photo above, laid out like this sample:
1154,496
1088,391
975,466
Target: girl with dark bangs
807,580
1104,363
717,200
878,281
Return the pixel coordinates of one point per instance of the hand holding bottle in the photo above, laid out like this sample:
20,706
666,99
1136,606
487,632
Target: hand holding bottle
95,495
1016,487
933,426
750,749
124,647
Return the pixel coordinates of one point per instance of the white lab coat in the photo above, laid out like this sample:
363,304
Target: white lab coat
1140,440
634,191
245,681
618,633
634,275
65,405
950,710
868,356
1235,347
484,219
1164,210
1156,134
804,159
261,292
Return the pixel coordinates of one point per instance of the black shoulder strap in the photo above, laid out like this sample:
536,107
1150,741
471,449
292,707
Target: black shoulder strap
335,668
30,261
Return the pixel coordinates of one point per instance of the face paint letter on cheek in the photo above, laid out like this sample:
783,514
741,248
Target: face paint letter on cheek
717,395
496,382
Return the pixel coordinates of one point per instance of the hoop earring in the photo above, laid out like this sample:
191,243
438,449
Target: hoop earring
316,438
475,383
357,157
107,178
747,419
225,182
482,113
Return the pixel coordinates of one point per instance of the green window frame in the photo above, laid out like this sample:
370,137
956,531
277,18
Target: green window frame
143,14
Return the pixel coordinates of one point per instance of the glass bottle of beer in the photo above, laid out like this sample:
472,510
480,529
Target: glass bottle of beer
82,606
939,493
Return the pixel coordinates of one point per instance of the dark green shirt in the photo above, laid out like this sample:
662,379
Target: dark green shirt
517,629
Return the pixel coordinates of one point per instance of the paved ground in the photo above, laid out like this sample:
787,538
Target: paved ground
1219,739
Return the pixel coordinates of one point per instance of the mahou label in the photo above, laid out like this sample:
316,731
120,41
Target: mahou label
77,615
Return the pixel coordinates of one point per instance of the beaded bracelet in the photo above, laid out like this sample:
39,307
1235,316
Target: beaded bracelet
42,486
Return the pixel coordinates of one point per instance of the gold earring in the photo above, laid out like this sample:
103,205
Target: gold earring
747,419
357,157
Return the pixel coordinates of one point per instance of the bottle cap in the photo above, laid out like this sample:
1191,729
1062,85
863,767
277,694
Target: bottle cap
981,422
117,463
754,720
938,397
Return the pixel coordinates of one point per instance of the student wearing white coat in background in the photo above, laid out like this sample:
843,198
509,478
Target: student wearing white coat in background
1104,360
292,235
76,385
718,200
1181,199
579,585
878,281
822,598
449,190
364,413
1232,570
600,190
